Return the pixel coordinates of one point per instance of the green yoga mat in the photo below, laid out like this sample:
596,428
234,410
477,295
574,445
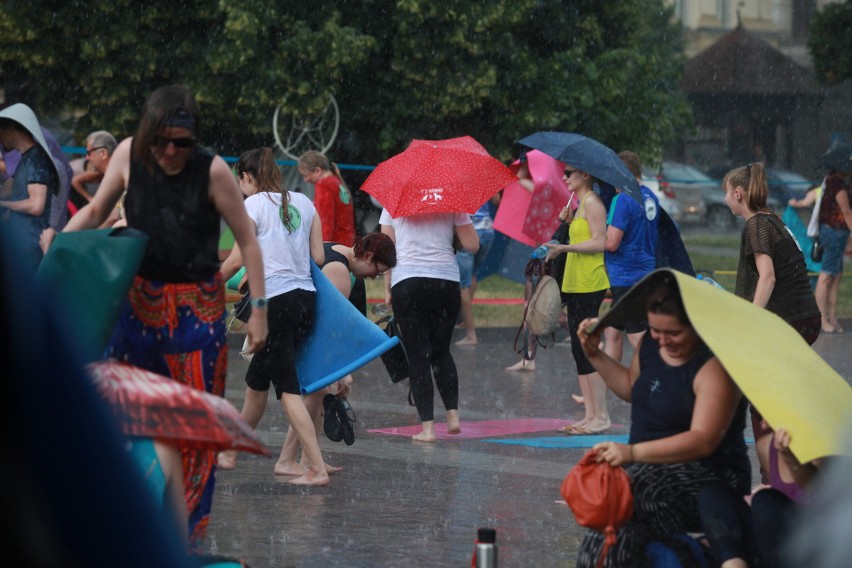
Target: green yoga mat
91,272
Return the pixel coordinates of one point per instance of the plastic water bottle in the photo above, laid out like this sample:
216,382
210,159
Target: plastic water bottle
541,251
485,553
380,309
709,281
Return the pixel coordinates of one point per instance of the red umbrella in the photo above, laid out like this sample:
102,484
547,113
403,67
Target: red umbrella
456,175
154,406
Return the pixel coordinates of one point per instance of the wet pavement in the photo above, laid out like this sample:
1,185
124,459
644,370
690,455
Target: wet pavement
401,503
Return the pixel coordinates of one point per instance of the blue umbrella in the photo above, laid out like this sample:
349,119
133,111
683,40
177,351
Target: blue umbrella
588,155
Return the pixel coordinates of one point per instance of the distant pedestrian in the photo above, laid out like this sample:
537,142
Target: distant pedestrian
835,224
25,203
332,198
469,264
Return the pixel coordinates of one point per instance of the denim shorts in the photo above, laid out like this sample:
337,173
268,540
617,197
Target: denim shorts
833,242
469,264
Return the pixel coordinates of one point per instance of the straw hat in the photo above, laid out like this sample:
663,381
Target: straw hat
24,115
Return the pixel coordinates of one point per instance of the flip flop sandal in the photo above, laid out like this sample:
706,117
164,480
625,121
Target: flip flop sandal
331,421
346,416
568,429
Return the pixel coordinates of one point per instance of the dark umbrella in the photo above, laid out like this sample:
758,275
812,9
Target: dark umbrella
838,158
588,155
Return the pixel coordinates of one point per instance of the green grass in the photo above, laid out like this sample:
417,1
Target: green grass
721,262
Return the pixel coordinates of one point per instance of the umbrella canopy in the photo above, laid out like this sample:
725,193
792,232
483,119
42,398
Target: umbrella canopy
780,374
838,158
154,406
588,155
438,176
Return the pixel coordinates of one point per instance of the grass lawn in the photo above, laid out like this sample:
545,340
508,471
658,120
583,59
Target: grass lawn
712,252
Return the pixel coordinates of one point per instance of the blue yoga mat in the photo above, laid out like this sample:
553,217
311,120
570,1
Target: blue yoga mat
342,340
556,442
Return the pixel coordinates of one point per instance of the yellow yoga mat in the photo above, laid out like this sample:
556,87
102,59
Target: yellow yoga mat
788,382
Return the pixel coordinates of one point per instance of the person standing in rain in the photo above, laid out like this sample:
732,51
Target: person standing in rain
25,199
174,320
631,251
423,290
332,198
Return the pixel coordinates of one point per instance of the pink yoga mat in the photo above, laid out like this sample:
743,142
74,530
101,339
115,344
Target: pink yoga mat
483,429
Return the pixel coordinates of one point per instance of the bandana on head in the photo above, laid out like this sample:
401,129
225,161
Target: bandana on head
180,119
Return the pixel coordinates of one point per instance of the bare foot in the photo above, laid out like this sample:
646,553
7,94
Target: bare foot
578,399
331,469
290,468
424,437
597,425
311,478
227,459
467,341
522,365
453,425
580,423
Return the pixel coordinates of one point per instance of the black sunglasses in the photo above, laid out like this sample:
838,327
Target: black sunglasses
89,152
162,142
569,172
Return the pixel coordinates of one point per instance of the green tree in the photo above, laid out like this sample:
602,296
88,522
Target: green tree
399,69
830,43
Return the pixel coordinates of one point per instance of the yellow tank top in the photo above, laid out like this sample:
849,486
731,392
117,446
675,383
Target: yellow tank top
584,272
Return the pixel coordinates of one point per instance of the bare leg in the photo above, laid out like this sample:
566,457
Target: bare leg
467,317
453,424
596,404
287,463
301,421
584,390
833,294
614,346
427,434
252,412
821,293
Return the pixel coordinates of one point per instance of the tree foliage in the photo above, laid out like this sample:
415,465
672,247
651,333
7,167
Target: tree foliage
830,43
399,69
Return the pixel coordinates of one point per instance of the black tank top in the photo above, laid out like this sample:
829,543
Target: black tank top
332,255
178,216
663,400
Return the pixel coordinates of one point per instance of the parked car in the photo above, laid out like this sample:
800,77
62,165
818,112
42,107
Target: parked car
683,206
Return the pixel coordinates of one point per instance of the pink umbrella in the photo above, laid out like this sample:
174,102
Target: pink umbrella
548,198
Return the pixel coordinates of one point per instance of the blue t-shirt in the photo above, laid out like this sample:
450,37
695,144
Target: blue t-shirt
636,255
34,168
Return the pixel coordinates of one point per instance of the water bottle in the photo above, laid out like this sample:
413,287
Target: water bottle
380,310
709,281
485,553
541,251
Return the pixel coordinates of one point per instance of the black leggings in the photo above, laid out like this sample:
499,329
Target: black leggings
427,309
580,307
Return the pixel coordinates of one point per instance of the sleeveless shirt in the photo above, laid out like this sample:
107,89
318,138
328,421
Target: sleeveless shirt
584,272
663,401
178,216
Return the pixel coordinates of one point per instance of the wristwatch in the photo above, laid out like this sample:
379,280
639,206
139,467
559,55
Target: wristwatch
258,302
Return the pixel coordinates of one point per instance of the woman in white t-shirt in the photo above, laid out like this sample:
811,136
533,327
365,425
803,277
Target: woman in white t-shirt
424,292
290,235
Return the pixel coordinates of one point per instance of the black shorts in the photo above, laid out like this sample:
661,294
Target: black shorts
291,317
630,326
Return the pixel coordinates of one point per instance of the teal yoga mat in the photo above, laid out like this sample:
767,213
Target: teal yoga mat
91,272
557,442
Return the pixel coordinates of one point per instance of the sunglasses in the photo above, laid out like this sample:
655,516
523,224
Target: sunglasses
89,152
163,142
568,173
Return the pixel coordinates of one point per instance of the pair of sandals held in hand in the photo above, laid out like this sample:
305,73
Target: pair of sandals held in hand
338,419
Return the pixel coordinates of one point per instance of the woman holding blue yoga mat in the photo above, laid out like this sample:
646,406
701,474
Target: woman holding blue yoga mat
290,235
174,321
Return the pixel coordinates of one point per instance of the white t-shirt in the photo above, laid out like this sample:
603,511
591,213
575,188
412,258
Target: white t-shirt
424,245
286,255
